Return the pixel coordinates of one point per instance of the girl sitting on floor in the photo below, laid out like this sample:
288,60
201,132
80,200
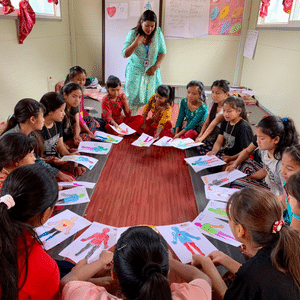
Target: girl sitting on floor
192,112
52,133
113,104
160,105
210,129
28,118
87,123
273,273
28,197
293,191
290,164
235,132
141,265
16,150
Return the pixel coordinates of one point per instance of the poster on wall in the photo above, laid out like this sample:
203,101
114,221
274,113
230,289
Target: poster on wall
226,17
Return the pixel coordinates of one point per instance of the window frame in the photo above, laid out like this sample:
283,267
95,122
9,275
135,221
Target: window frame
39,16
291,24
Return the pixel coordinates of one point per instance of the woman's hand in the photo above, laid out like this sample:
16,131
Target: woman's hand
198,139
77,139
177,136
226,158
151,71
91,135
64,177
80,170
210,153
140,39
218,257
107,258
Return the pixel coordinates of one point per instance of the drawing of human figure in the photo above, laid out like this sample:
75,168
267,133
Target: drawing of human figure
96,240
185,238
63,225
219,211
70,198
213,230
199,162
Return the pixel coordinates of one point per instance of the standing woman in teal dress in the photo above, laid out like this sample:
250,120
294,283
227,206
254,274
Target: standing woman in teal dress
145,46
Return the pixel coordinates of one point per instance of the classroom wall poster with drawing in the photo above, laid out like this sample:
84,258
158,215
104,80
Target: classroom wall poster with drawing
91,243
226,17
186,240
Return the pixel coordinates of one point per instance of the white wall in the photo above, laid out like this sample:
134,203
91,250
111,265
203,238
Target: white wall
25,68
275,71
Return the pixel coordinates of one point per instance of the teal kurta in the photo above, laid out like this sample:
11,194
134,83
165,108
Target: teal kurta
139,87
193,118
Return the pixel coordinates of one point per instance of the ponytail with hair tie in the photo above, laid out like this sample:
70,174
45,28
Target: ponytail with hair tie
149,269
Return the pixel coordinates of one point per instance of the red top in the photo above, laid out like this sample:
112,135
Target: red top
43,277
113,109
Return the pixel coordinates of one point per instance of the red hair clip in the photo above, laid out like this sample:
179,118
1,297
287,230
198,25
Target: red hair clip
277,226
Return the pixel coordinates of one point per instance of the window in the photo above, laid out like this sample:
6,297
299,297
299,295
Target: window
42,8
278,18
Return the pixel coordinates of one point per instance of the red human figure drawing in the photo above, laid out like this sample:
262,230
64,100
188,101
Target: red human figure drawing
96,240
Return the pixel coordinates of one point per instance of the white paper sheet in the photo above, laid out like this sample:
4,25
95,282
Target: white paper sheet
91,243
184,144
144,140
108,138
60,227
124,129
199,163
250,44
94,147
73,196
222,177
88,185
214,192
217,209
87,161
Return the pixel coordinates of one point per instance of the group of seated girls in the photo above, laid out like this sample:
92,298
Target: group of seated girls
264,216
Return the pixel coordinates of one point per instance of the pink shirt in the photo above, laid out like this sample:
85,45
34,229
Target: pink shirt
197,289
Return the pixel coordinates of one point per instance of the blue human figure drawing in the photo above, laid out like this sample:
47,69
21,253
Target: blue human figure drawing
199,162
185,239
148,6
70,198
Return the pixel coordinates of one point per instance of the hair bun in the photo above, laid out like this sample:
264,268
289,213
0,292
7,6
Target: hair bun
150,269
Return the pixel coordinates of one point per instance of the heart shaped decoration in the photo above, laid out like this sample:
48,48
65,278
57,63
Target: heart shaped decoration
111,11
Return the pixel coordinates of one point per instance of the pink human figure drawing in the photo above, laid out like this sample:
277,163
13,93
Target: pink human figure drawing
96,240
185,238
63,225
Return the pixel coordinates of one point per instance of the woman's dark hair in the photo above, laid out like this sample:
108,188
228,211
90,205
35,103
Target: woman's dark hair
257,210
168,92
294,152
239,104
141,263
73,72
52,101
14,147
200,87
69,88
283,128
33,189
293,186
147,15
224,85
113,82
24,110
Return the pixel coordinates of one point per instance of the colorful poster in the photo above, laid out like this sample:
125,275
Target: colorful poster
87,161
217,209
215,228
199,163
214,192
88,185
108,138
186,240
144,140
94,147
222,177
185,143
123,129
72,196
90,244
116,11
226,17
60,227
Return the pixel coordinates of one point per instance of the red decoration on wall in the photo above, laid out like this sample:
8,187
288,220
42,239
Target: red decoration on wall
53,1
287,5
264,8
7,7
26,20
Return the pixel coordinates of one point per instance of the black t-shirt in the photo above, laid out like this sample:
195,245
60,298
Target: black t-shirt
257,279
69,122
254,141
236,137
51,137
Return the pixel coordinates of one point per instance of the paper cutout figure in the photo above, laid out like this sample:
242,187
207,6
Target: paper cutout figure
63,225
224,12
214,13
185,238
111,11
237,12
97,239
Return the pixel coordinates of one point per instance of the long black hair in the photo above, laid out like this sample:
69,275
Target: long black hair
73,72
141,263
52,101
14,147
237,103
285,129
200,87
34,190
224,85
167,92
147,15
